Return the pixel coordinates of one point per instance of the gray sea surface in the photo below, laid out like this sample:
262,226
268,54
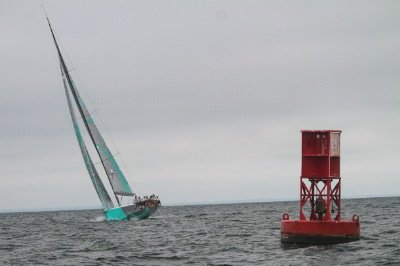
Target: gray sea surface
228,234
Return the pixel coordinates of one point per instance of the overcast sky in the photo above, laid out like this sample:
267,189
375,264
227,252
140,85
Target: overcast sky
204,100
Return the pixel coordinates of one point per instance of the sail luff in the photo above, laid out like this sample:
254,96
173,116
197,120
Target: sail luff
94,176
69,81
117,180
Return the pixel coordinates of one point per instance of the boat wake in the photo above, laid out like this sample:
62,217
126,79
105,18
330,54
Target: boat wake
98,219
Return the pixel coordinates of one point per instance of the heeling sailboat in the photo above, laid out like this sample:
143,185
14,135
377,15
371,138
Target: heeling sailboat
138,209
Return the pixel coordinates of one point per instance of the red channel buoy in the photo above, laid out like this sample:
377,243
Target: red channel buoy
320,211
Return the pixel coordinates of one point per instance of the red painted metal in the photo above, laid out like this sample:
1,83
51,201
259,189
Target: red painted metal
320,193
319,232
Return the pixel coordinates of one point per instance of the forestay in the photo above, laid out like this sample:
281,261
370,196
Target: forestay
94,176
117,179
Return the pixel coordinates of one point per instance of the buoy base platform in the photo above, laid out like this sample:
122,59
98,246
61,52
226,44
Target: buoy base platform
315,232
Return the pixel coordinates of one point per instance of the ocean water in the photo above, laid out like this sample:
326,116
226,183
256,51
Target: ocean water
231,234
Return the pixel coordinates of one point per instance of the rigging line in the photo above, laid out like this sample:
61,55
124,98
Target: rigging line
57,59
90,113
52,47
93,106
112,155
127,171
105,128
115,147
110,139
73,68
72,88
91,102
77,76
103,125
44,10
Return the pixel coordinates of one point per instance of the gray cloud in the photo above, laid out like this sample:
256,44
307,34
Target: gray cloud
204,100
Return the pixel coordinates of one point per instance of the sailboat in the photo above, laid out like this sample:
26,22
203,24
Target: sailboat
136,207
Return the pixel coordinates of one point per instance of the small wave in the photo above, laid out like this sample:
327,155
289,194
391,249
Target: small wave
235,220
118,258
9,247
238,235
389,232
98,219
173,257
161,217
163,257
368,222
185,236
388,245
368,238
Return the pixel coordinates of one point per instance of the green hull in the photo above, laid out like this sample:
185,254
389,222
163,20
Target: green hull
127,213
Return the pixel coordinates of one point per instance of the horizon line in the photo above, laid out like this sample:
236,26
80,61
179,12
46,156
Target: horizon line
181,204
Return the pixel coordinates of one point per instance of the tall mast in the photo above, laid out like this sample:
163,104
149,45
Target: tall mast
71,85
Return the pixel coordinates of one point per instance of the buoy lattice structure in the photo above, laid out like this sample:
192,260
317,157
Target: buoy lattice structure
320,194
